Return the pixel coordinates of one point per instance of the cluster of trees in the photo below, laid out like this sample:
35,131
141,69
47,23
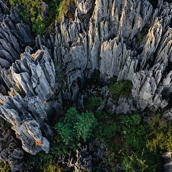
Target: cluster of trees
134,144
33,11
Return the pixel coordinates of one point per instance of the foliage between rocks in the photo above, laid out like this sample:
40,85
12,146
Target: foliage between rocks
93,102
132,145
75,126
32,11
71,130
120,88
129,144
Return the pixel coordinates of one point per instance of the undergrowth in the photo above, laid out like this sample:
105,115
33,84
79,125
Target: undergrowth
133,145
41,20
120,88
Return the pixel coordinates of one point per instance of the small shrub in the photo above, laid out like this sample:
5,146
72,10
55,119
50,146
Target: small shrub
65,132
107,131
93,102
159,134
85,124
76,126
130,120
63,8
120,88
52,168
134,163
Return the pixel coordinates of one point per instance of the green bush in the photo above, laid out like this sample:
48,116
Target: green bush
134,163
93,102
71,130
134,132
76,126
63,9
65,132
159,136
84,126
31,11
120,88
134,144
126,137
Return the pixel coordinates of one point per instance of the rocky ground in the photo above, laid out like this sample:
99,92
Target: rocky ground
129,39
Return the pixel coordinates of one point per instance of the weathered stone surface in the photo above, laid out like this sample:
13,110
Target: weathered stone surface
115,43
33,77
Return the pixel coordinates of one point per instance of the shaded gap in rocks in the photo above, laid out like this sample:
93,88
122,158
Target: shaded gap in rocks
166,94
169,1
170,25
141,35
167,91
168,68
3,85
154,3
138,66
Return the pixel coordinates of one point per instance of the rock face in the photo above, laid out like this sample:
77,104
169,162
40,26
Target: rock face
128,39
27,83
9,148
31,81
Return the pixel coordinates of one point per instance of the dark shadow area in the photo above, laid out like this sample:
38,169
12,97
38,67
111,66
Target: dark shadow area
169,1
154,3
170,25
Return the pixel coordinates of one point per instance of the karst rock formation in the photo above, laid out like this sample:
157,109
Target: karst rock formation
128,39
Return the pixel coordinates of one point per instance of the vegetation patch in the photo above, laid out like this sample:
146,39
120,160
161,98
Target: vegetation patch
71,130
93,102
76,126
120,88
42,14
132,144
141,35
128,139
